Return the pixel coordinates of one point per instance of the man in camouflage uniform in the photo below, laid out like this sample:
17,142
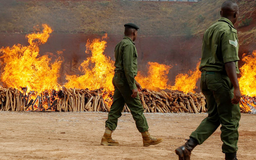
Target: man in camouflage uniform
126,89
219,84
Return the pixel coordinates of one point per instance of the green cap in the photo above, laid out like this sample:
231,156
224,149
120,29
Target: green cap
131,25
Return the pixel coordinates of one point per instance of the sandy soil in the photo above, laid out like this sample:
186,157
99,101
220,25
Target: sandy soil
77,136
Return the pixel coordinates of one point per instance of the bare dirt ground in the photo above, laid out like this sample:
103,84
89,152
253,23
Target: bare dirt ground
69,136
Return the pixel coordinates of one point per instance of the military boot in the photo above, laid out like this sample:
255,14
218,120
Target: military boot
230,156
148,140
107,139
184,151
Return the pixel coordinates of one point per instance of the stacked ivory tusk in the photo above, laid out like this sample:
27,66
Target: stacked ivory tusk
172,102
248,104
66,100
83,100
80,100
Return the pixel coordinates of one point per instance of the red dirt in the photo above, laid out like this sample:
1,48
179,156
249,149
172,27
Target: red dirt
55,136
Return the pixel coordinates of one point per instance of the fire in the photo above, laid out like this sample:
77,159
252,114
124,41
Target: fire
98,70
27,71
246,82
24,67
248,75
37,76
187,82
156,78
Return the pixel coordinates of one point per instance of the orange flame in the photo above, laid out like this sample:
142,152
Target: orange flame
156,78
187,82
98,69
246,82
248,75
25,68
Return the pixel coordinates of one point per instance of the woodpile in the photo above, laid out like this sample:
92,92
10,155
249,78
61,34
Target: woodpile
83,100
172,101
248,104
11,100
66,100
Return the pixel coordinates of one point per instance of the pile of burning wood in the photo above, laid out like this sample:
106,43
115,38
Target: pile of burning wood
246,102
66,100
83,100
172,101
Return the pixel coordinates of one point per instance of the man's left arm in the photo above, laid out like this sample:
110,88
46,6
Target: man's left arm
230,68
230,57
128,67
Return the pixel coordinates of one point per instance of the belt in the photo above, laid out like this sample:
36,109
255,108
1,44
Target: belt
213,72
210,72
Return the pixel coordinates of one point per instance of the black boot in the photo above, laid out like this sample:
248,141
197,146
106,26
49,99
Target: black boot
184,151
230,156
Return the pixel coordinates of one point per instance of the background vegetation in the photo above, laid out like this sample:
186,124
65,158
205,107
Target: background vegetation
154,18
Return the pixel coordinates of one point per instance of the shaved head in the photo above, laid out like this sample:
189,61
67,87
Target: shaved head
229,10
130,32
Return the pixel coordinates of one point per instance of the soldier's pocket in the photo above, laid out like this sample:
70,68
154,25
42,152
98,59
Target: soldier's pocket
226,82
213,82
118,82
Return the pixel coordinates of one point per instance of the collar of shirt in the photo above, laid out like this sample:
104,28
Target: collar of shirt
129,39
223,19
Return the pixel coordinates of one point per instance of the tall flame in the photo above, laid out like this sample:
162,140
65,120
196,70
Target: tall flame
157,76
187,82
98,70
25,68
248,75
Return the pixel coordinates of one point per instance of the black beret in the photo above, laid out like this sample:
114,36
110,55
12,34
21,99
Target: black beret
131,25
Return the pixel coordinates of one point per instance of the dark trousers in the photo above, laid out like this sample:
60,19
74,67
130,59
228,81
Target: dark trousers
122,95
218,91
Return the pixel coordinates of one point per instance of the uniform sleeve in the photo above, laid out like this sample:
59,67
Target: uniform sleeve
128,65
229,47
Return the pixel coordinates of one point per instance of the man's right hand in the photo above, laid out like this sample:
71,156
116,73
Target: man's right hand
138,86
134,93
230,68
237,96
